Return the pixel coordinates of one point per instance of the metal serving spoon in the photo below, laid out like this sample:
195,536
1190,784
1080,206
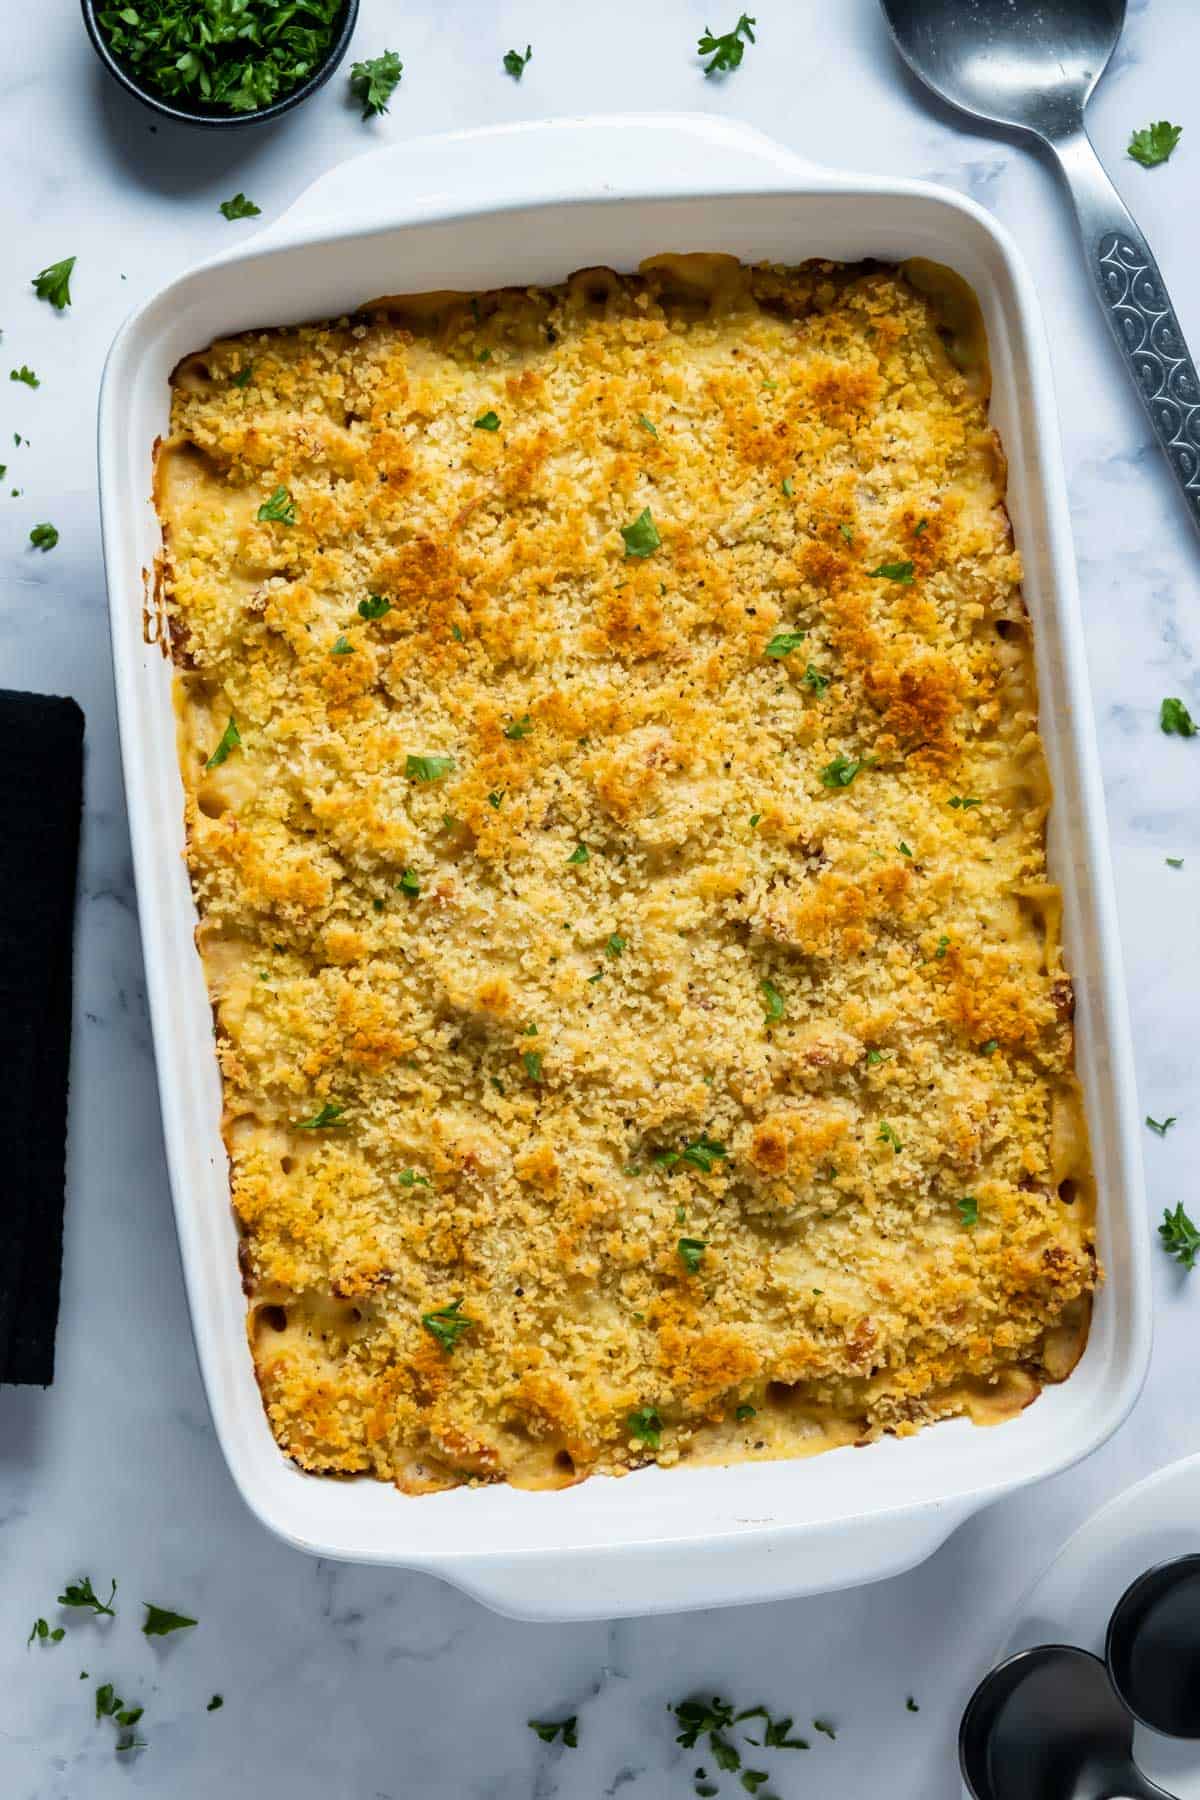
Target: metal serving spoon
1046,1725
1032,69
1153,1648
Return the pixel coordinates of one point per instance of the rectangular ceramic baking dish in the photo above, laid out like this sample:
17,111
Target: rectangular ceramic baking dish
528,205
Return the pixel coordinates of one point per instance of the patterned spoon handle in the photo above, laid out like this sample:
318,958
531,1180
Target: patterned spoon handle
1139,312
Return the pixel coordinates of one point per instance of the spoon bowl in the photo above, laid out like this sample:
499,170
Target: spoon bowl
1046,1725
1152,1648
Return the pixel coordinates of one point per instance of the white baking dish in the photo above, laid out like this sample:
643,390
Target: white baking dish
529,205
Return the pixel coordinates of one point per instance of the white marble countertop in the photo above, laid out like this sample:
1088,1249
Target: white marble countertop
357,1682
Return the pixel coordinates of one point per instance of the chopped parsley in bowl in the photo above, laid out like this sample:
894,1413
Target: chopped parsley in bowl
220,62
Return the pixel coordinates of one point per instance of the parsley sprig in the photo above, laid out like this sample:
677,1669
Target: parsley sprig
1180,1238
1153,144
54,283
375,81
81,1594
727,49
1176,720
240,208
701,1153
447,1325
514,62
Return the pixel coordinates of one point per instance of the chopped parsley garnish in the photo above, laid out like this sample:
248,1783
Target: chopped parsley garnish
968,1210
549,1729
520,728
695,1718
1179,1236
875,1056
727,49
847,532
580,854
514,65
645,424
43,1633
280,508
783,643
329,1118
495,799
615,945
231,739
410,1178
903,848
823,1725
54,284
943,944
812,678
241,56
240,208
1154,143
963,801
641,538
922,525
1174,862
773,1001
840,772
787,487
488,421
745,1411
108,1702
341,646
702,1153
160,1620
375,81
80,1593
447,1325
593,979
1175,719
990,1048
243,375
44,536
646,1425
374,607
533,1064
754,819
24,374
409,882
483,355
1162,1126
429,768
887,1135
897,571
691,1253
910,1705
216,1703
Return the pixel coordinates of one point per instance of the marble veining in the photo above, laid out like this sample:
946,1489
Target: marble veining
379,1685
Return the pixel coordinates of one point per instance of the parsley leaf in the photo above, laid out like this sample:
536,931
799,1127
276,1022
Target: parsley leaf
702,1153
773,1001
825,1726
447,1325
847,532
961,802
243,375
158,1622
645,424
409,882
1174,718
488,421
514,65
519,728
1179,1236
840,772
696,1718
580,854
549,1729
108,1703
43,1633
329,1118
374,607
943,944
691,1253
641,538
410,1178
24,374
341,646
429,768
216,1703
787,487
80,1593
1154,143
615,945
968,1209
1174,862
44,537
54,284
1162,1126
646,1425
375,81
783,643
897,571
231,739
533,1064
887,1135
903,848
745,1411
812,678
727,50
280,507
910,1705
240,208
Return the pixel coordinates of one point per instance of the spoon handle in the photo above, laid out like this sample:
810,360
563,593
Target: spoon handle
1139,313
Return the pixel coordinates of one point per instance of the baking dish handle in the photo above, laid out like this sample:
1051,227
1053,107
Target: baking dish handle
731,1570
628,154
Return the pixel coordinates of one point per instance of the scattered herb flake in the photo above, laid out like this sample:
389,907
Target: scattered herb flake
903,848
514,64
887,1135
216,1703
840,772
280,508
1154,143
963,801
580,854
787,487
374,607
409,882
783,643
847,532
812,678
429,768
641,538
1173,862
447,1325
990,1048
44,536
242,376
231,739
895,571
533,1064
373,82
645,424
240,208
646,1426
615,945
1162,1126
329,1118
727,49
968,1209
773,1001
80,1593
691,1253
943,944
1179,1236
410,1178
1175,719
54,284
488,421
910,1705
159,1621
341,646
745,1411
519,728
24,374
549,1730
824,1726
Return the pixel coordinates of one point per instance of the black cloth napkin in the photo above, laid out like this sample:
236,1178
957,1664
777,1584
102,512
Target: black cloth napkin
41,770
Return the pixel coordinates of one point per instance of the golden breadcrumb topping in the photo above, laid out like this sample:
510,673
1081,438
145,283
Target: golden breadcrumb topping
617,815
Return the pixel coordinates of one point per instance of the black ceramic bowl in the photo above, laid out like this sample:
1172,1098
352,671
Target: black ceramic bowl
195,112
